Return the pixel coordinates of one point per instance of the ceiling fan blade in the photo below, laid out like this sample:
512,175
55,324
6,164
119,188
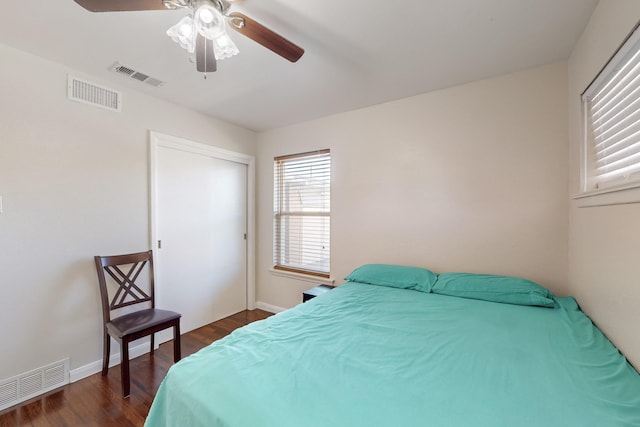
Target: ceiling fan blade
205,56
120,5
267,38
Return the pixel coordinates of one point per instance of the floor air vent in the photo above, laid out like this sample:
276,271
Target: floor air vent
90,93
31,384
130,72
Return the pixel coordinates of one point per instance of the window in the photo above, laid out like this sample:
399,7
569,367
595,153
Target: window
612,121
302,213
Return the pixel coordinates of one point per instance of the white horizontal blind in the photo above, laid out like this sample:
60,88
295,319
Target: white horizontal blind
612,108
302,212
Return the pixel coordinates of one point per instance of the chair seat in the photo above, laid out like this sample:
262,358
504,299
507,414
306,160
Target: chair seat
135,322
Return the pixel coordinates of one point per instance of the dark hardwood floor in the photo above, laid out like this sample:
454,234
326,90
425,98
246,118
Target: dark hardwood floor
97,400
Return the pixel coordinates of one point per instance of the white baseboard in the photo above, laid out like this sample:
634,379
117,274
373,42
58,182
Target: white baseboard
268,307
95,367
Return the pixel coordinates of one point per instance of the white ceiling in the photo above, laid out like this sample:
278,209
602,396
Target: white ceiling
357,52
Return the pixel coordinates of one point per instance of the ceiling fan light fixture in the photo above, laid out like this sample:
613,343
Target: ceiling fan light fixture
184,33
209,21
224,47
206,16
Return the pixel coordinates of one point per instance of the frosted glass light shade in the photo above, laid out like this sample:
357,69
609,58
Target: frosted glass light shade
209,22
184,33
224,47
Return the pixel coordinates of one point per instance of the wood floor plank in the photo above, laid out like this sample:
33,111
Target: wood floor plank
97,400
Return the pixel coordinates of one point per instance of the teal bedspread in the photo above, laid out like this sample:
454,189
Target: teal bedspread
364,355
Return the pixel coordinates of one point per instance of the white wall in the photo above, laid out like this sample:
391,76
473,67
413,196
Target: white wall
471,178
74,184
604,242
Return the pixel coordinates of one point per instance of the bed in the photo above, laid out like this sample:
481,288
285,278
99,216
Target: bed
403,353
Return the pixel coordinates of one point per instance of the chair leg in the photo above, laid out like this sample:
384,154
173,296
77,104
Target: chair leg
106,352
124,368
176,342
152,346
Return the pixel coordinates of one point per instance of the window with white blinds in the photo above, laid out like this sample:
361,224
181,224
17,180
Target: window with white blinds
612,115
302,213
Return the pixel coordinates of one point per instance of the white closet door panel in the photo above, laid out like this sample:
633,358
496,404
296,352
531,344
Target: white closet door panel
201,221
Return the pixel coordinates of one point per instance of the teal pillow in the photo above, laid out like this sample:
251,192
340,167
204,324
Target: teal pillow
510,290
395,276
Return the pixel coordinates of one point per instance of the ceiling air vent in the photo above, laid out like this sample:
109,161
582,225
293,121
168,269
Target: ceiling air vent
90,93
130,72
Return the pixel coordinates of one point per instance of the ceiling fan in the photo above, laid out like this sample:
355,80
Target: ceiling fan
204,30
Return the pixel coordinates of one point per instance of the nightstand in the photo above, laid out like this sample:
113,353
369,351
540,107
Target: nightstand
314,292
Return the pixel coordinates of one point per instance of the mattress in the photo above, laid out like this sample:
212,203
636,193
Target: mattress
366,355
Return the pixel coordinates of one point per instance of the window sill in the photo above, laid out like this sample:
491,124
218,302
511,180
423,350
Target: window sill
618,195
304,277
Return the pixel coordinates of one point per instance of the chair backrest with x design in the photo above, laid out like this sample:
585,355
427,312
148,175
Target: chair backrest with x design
125,270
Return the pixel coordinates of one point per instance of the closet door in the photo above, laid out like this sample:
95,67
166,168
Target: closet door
201,225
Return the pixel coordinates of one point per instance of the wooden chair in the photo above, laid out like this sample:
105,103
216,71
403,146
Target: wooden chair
125,271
